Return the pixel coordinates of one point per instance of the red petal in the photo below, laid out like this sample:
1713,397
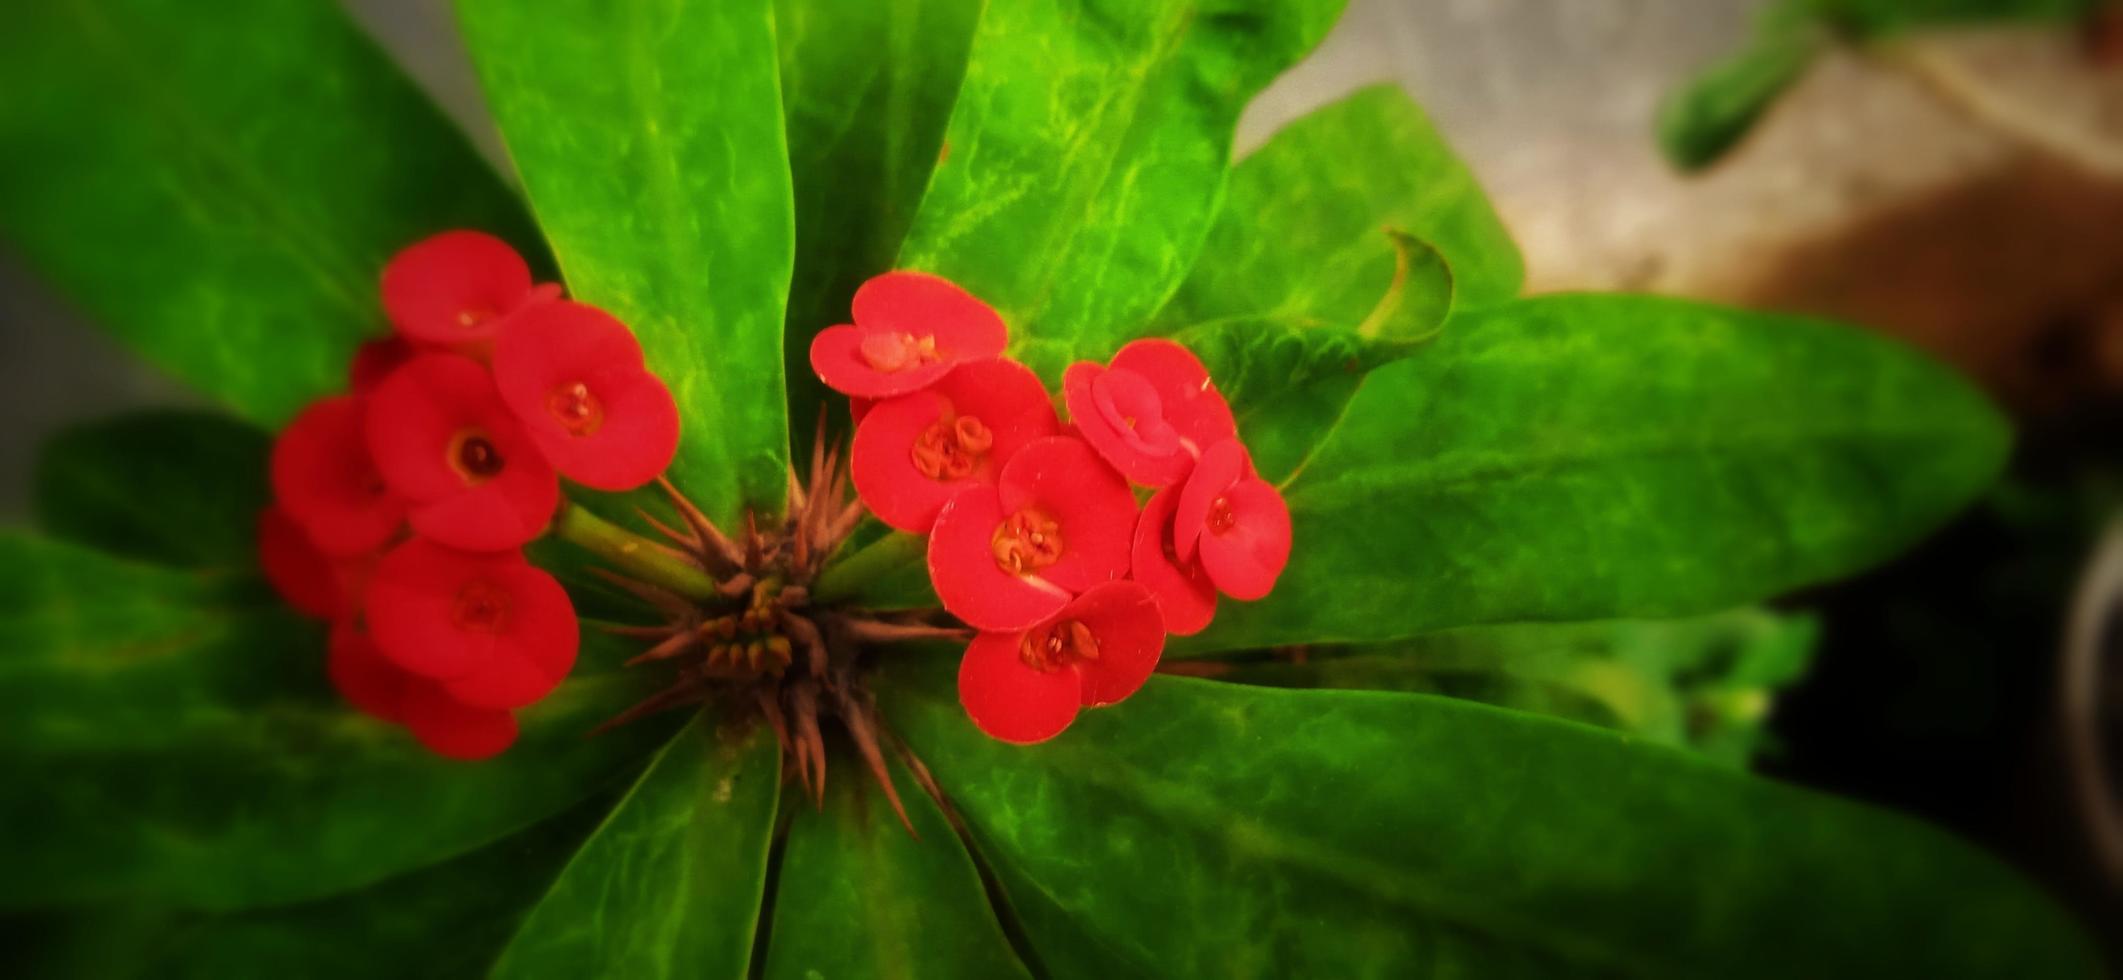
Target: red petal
837,357
969,582
454,288
1012,701
1184,592
375,360
1063,478
416,419
1120,414
1223,465
451,729
1005,396
541,356
417,607
1124,618
1192,404
322,476
363,676
1245,558
917,303
302,575
537,648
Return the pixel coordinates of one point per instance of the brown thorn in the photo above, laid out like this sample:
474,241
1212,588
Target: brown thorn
806,635
686,691
686,538
670,647
714,543
792,596
803,705
862,726
877,631
797,495
844,524
734,586
755,547
670,602
771,710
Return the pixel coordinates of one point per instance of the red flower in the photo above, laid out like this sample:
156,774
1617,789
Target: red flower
1057,522
574,376
382,689
454,289
913,453
323,477
1183,590
302,575
445,442
363,677
493,630
910,329
375,360
1150,412
1026,686
1235,520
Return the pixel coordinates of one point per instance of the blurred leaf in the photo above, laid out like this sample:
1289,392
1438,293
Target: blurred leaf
172,487
649,136
894,906
1594,457
1306,239
1699,122
670,886
222,188
1708,116
1086,156
1704,683
1203,829
866,89
172,737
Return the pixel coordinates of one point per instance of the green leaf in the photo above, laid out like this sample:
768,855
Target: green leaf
1087,154
173,487
223,191
866,89
670,885
448,920
1704,683
1203,829
893,905
1299,234
1306,241
1597,457
1700,122
649,136
172,737
1704,119
1256,359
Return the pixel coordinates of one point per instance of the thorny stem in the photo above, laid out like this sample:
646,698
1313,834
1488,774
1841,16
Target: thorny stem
874,561
636,556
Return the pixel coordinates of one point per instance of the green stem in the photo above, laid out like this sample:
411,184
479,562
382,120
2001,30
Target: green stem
631,554
879,558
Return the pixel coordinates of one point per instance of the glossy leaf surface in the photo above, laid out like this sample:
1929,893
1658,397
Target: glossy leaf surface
1086,156
649,136
222,191
1591,457
1203,829
866,89
858,897
173,737
1705,683
670,885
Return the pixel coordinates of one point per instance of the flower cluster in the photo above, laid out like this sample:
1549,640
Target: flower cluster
400,508
1036,538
